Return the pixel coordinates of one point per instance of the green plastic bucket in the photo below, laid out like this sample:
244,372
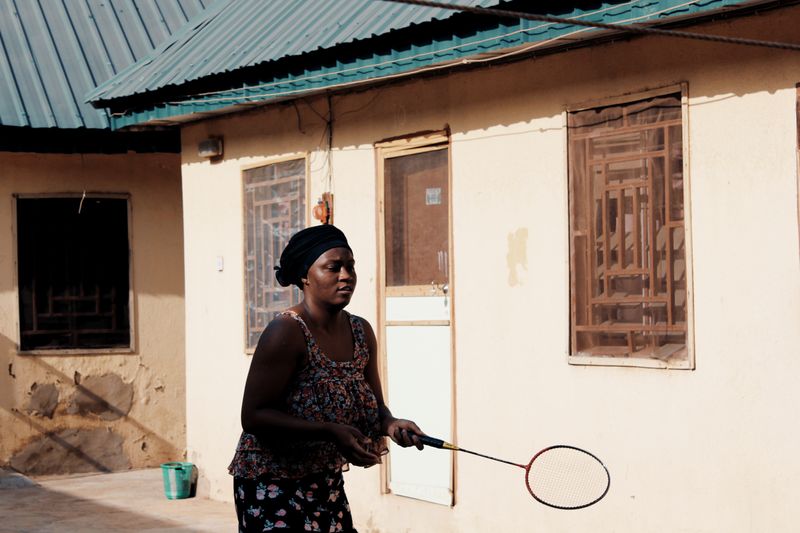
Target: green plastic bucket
177,479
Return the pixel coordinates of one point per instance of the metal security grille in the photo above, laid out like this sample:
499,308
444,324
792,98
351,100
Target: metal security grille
628,268
73,257
275,208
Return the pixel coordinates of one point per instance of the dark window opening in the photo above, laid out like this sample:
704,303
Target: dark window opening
73,260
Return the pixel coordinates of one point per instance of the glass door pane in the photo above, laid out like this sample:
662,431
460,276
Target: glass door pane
416,219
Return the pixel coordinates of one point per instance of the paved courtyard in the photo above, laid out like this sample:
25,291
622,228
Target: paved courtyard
125,501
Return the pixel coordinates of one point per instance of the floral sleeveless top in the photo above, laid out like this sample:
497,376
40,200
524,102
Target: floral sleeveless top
323,391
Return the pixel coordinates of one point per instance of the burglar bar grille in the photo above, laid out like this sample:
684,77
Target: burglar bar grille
275,209
628,272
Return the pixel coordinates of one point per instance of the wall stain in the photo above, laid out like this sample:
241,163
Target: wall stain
517,256
73,451
43,400
106,396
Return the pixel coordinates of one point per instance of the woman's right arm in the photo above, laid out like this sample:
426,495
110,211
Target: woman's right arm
279,353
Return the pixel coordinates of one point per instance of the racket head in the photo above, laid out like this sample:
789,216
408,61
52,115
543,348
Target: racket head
567,477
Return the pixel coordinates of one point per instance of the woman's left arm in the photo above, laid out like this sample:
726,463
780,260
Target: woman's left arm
403,432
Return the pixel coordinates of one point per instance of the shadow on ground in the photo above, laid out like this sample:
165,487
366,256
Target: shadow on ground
126,501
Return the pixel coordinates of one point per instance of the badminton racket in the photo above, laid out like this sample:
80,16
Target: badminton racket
563,477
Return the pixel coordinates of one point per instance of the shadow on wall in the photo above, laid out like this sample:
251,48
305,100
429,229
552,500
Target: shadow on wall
76,450
585,74
80,424
7,372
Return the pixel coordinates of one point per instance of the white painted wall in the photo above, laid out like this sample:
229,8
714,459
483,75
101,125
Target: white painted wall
708,450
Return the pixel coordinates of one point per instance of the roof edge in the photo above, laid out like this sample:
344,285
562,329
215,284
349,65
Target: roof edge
503,43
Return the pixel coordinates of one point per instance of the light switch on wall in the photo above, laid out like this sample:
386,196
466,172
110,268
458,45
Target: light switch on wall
220,263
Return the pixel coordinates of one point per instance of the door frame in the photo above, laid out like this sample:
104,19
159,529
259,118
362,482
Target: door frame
396,147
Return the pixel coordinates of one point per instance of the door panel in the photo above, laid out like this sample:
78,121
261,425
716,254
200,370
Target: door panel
417,308
418,370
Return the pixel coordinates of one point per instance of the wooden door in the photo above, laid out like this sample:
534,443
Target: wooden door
416,297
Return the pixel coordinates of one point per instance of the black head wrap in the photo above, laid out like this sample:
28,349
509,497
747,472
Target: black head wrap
304,248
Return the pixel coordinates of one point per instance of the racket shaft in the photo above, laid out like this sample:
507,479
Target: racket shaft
439,443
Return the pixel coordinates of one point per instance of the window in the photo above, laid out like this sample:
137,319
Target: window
628,246
275,209
74,273
416,229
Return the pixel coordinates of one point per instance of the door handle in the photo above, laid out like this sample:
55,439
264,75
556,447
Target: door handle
444,287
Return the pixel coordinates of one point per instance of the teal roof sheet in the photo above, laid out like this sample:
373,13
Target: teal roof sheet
248,52
53,52
243,33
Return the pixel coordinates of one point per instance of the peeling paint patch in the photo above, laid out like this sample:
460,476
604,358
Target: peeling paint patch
517,256
72,451
106,396
43,400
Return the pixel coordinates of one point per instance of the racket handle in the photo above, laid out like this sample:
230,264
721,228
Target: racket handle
436,443
430,441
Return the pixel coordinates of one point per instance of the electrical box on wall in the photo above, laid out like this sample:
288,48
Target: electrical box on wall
211,147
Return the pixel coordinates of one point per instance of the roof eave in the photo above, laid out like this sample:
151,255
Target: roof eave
465,55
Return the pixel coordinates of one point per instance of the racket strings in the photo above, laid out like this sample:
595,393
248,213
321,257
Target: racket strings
566,477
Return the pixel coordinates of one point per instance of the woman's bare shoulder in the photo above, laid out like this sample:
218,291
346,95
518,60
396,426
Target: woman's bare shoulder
283,335
361,319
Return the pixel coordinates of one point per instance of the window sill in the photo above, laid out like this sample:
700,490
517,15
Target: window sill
79,351
639,362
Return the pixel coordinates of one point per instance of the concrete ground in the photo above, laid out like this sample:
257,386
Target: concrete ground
124,501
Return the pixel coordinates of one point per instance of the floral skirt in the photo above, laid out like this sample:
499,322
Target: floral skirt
312,503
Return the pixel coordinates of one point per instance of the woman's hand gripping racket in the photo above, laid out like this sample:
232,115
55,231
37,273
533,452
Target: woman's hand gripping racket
563,477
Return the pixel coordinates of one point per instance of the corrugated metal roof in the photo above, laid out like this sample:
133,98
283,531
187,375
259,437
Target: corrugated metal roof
160,97
53,52
243,33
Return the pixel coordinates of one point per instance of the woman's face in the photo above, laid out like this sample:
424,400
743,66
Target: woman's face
332,277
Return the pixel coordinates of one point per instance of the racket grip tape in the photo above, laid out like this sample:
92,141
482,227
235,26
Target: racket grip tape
436,443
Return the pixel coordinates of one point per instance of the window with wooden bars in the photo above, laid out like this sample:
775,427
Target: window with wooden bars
274,209
74,273
628,247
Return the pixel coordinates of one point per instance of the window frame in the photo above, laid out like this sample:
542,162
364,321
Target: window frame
306,220
797,150
132,345
599,360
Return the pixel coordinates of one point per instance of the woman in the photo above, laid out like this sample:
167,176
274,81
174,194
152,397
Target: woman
312,401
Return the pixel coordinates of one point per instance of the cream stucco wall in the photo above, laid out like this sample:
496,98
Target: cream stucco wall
153,430
706,450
